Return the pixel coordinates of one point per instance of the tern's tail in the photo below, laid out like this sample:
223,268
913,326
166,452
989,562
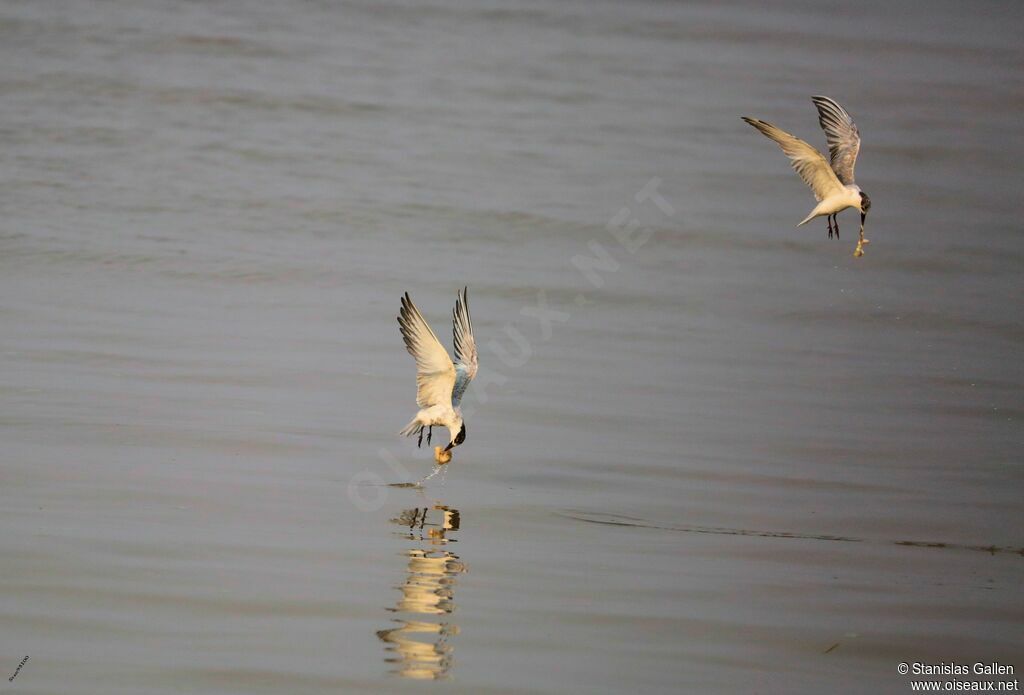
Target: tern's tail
808,218
412,428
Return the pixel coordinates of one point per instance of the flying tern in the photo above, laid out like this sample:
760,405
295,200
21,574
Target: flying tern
440,383
832,182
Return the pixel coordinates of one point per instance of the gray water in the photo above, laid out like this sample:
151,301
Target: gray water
736,459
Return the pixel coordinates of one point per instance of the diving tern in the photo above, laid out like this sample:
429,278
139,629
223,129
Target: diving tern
440,383
832,182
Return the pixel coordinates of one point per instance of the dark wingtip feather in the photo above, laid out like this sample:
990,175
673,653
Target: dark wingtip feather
758,124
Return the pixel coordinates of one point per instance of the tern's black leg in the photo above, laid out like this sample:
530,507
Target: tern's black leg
429,432
835,218
419,442
829,218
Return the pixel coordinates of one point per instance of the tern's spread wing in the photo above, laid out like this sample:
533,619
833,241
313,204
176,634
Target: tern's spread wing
807,161
435,373
465,347
843,137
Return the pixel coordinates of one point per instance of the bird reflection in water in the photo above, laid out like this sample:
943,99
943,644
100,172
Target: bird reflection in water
419,648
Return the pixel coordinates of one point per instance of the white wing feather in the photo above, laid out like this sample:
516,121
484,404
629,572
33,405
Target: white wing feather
807,161
842,134
435,373
465,346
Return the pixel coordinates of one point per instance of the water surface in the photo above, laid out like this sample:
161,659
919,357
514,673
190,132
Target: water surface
732,457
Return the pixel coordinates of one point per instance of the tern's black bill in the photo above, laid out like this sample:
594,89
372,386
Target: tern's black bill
863,216
449,447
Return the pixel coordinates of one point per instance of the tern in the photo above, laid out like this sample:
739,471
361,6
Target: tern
832,182
440,383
